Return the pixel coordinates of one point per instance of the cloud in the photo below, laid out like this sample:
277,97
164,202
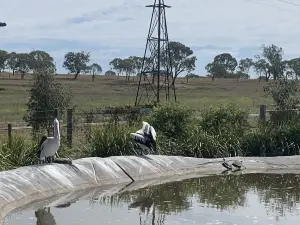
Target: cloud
119,28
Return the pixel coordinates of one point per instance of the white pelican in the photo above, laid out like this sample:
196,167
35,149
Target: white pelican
237,164
226,164
145,137
49,145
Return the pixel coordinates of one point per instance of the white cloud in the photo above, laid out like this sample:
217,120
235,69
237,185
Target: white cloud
232,23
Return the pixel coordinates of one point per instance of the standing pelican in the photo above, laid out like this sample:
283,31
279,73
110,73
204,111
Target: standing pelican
49,146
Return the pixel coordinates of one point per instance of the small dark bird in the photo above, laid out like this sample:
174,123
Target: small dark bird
226,165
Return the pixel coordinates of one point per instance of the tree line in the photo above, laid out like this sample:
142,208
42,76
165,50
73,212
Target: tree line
76,63
268,65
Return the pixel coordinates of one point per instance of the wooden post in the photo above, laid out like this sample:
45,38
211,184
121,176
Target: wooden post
262,113
69,127
9,131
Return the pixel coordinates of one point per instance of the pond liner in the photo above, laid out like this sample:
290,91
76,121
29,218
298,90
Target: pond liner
29,184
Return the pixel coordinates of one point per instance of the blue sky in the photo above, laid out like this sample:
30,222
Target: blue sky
110,29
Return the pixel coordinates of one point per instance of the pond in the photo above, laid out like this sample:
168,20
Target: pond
228,199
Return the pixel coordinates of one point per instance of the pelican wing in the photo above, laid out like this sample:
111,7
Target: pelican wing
137,137
153,132
45,143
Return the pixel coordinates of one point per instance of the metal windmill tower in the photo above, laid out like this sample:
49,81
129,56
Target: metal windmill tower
156,73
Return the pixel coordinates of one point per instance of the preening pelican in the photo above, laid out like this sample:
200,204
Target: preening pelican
145,137
49,146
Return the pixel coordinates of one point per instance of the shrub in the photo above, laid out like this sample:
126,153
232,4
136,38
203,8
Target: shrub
224,119
171,119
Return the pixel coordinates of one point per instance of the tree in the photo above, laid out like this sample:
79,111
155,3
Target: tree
76,62
12,61
45,96
95,69
273,55
261,66
128,67
116,64
215,70
137,62
285,93
110,73
3,60
228,62
293,66
181,59
244,67
41,60
23,63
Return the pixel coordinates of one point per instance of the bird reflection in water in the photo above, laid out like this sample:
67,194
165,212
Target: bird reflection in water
44,216
147,208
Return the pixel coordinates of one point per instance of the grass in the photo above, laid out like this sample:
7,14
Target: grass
198,93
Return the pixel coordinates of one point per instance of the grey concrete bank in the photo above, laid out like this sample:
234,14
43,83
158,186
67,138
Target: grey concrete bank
27,185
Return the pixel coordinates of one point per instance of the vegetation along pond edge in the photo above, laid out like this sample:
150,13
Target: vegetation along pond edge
29,184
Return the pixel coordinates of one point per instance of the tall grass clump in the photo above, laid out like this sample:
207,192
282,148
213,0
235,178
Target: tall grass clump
17,152
218,132
273,140
111,139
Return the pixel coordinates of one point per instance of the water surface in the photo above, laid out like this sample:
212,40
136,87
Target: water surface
232,199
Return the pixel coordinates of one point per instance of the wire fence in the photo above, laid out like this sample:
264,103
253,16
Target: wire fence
76,125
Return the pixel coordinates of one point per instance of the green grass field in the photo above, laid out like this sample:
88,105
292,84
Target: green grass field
197,93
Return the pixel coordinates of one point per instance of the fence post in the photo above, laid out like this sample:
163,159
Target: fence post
69,127
262,113
9,131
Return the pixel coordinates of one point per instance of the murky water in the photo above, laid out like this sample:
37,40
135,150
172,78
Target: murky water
238,199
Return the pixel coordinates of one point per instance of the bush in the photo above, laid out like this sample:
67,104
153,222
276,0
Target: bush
171,119
224,119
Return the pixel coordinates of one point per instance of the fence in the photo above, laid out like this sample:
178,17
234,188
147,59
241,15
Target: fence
78,120
75,121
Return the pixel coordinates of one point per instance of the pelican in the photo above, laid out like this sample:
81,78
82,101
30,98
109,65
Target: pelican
226,164
145,137
49,146
237,164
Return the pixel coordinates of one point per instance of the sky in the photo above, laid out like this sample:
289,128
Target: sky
119,28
